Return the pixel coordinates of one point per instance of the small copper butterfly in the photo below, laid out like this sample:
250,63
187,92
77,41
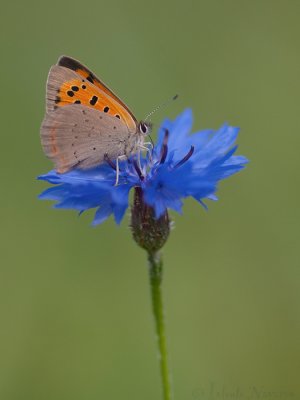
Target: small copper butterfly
85,122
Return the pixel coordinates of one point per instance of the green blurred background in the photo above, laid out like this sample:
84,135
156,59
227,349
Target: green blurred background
74,300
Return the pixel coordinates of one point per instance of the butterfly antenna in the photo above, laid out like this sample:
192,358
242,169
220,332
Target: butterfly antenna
161,106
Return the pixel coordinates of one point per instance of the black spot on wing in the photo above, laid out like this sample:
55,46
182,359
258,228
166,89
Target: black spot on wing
90,78
70,93
93,100
106,109
75,88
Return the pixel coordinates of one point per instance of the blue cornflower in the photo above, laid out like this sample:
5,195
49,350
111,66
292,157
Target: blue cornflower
180,165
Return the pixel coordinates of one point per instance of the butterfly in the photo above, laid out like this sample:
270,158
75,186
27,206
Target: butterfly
85,122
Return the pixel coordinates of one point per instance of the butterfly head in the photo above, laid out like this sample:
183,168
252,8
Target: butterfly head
145,128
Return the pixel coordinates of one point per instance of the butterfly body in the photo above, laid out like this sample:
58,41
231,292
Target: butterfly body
85,121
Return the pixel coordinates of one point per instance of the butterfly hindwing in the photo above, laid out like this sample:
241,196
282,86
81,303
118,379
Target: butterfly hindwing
78,136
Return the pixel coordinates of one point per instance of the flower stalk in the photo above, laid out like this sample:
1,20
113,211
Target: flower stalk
151,234
155,275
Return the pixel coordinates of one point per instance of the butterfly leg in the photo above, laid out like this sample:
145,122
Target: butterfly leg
119,158
150,144
147,150
150,148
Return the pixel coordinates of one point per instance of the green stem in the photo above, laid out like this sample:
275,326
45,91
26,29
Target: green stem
155,275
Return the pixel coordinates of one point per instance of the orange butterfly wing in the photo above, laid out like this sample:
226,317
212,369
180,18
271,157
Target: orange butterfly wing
82,70
70,82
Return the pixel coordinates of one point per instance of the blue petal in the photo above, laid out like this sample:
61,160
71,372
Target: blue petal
120,201
237,160
54,193
103,212
223,139
212,197
178,131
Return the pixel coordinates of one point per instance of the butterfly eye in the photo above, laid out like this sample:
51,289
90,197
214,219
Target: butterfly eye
144,128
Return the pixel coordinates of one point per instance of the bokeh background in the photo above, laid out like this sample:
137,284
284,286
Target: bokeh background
74,300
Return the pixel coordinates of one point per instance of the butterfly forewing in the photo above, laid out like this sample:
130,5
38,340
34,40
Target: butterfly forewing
82,70
65,87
